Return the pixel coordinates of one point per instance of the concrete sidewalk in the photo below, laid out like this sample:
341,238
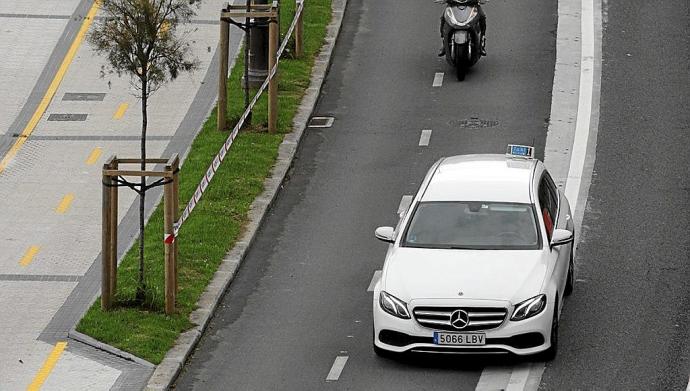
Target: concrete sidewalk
50,193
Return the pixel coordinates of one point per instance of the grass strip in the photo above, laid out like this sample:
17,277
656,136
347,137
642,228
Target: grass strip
218,220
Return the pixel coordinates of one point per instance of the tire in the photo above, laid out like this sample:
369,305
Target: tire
461,61
550,353
570,279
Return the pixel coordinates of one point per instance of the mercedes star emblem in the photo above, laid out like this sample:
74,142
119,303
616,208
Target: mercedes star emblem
459,319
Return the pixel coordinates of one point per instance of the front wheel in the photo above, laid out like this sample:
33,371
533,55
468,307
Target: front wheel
461,60
570,279
550,353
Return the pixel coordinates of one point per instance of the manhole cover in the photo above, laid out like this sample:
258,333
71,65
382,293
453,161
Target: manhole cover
67,117
321,122
83,96
474,123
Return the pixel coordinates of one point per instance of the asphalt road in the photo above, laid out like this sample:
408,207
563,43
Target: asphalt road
627,324
300,297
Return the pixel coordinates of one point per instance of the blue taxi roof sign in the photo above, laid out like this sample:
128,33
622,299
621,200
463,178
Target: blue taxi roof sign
520,151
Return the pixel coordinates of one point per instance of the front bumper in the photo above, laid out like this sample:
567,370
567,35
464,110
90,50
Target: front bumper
526,337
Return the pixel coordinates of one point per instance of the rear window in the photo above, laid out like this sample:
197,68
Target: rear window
473,225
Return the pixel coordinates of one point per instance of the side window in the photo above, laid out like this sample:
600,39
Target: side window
553,191
548,204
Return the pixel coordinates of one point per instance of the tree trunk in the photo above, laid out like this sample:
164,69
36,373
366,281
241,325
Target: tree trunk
141,286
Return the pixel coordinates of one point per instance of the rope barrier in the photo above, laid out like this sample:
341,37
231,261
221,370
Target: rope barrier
222,153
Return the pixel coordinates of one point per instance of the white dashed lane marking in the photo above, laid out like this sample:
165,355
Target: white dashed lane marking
374,279
425,138
337,368
438,79
518,379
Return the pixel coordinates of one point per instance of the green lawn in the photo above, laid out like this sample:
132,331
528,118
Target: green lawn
218,220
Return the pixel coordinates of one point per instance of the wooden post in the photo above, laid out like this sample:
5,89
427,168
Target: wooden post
170,292
299,32
176,209
106,215
273,82
223,74
113,234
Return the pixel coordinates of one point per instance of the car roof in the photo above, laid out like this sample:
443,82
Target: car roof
496,178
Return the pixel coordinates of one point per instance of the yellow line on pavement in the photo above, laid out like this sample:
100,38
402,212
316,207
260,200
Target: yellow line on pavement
52,88
65,203
47,367
121,110
29,255
94,155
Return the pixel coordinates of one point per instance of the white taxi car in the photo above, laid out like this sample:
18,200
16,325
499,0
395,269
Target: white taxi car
479,263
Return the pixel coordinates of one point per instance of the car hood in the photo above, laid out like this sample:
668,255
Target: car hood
511,275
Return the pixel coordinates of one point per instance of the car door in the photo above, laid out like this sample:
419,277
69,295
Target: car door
561,211
549,203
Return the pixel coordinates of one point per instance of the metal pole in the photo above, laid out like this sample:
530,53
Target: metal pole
258,54
247,33
273,82
223,73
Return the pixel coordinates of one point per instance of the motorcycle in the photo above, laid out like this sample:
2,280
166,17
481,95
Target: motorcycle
463,35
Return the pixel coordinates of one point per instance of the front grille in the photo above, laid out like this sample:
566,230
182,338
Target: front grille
480,318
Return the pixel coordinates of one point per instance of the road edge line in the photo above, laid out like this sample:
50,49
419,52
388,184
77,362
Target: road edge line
168,370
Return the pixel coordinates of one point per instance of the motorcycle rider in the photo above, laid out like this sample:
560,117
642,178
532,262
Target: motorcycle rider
482,25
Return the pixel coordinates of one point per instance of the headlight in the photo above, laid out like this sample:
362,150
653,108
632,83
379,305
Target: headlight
451,16
529,308
393,305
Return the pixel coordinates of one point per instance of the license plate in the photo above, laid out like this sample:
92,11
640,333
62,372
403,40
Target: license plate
460,339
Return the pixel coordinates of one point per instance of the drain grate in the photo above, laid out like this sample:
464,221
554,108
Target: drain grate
474,123
321,122
67,117
84,96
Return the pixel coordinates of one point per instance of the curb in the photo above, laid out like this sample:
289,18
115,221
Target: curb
167,371
85,339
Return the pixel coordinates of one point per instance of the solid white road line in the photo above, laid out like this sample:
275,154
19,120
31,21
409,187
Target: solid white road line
584,105
337,368
574,179
405,202
438,79
374,279
424,138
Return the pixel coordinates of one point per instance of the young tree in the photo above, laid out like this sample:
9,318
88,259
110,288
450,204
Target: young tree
140,39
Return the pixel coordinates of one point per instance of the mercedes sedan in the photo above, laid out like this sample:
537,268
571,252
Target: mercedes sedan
479,263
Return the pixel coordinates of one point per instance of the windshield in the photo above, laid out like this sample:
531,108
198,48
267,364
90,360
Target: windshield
473,225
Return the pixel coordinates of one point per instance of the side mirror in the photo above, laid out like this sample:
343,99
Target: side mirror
385,234
561,237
